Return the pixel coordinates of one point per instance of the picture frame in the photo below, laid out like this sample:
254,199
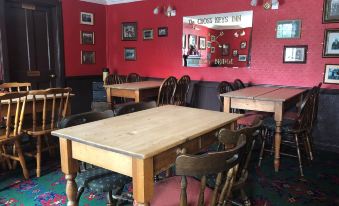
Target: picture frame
209,44
235,52
129,31
242,58
288,29
331,43
130,54
87,37
184,41
148,34
331,11
162,31
202,43
212,50
212,38
192,41
86,18
87,57
225,49
295,54
243,45
331,74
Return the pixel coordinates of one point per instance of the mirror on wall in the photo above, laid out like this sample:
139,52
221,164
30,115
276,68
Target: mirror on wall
217,40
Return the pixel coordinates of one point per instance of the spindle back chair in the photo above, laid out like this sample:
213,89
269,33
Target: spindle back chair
181,92
166,91
15,86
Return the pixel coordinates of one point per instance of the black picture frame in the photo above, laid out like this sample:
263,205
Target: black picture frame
331,43
129,31
130,54
330,11
86,18
87,57
295,54
288,29
148,34
87,37
331,74
162,31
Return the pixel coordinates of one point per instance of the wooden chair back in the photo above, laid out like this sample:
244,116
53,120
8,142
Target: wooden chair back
305,115
166,91
15,86
54,108
316,91
133,77
238,84
16,108
113,79
133,107
83,118
181,92
223,87
218,163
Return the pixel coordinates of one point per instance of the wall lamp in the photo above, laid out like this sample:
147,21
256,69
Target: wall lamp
167,11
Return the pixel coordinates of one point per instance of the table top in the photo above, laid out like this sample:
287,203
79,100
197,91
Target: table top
279,94
136,85
149,132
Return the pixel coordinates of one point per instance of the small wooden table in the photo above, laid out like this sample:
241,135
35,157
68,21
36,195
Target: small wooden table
135,90
139,144
267,99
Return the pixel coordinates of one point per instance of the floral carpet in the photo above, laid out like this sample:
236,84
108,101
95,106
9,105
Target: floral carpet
319,187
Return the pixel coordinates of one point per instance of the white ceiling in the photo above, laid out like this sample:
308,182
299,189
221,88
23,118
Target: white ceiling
110,2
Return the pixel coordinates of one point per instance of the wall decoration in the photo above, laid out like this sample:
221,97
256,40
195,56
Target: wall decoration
184,41
295,54
202,43
289,29
192,41
87,37
86,18
87,57
209,44
243,45
148,34
225,49
331,43
212,50
129,31
331,75
162,31
212,38
130,54
331,11
235,52
242,58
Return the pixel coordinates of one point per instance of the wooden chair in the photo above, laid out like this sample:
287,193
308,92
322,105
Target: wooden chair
166,91
181,92
133,107
238,84
133,77
193,192
10,137
113,79
223,87
15,86
48,119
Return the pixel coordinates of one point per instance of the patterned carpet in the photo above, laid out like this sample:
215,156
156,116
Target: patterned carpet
320,187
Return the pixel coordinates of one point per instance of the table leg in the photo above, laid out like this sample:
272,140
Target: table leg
108,95
69,167
142,173
138,97
278,115
227,104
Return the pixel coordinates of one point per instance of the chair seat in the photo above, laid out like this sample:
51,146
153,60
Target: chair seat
11,138
248,120
263,114
167,192
287,124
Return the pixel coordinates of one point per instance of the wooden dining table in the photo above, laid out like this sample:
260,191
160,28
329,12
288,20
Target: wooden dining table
138,91
267,99
139,145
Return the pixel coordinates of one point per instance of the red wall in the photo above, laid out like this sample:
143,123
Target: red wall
72,46
161,57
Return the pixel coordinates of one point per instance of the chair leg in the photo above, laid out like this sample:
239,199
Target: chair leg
244,198
15,163
21,159
8,161
38,156
262,147
309,146
299,156
110,200
80,191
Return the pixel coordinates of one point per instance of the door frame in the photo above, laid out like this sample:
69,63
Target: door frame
58,43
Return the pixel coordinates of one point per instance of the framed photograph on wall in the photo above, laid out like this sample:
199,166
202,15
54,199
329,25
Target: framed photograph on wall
225,49
212,50
243,45
295,54
86,18
148,34
242,58
130,54
209,44
192,41
235,52
129,31
87,57
162,31
331,11
289,29
87,37
202,43
331,43
212,38
331,74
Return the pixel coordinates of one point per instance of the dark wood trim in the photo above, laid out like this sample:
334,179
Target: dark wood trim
83,77
4,74
59,45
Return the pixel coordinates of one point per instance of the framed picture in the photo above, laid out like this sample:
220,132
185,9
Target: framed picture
212,38
331,43
87,57
86,18
130,54
202,43
162,31
331,74
87,37
209,44
212,50
129,31
331,11
243,45
289,29
184,41
147,34
225,49
242,58
235,52
295,54
192,40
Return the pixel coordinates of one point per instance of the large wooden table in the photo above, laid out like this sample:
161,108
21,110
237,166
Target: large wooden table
267,99
136,90
139,144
